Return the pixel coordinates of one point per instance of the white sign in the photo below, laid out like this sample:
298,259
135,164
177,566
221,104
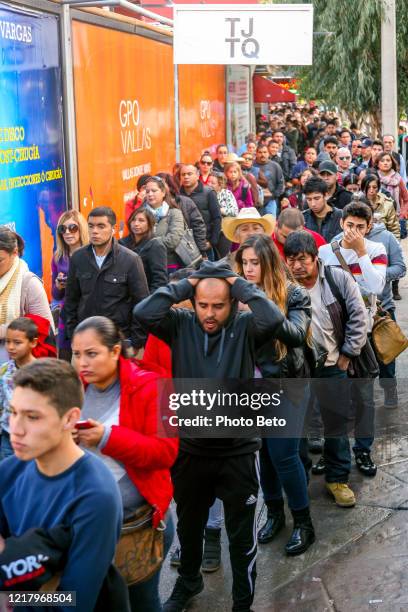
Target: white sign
238,105
280,34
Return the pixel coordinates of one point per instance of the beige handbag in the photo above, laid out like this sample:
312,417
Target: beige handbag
388,338
140,550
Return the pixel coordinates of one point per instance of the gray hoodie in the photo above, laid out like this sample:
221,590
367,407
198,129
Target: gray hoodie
396,267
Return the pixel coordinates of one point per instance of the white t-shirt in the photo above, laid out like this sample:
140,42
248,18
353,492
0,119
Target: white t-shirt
322,326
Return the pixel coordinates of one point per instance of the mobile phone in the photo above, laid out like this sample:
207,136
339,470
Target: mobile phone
83,425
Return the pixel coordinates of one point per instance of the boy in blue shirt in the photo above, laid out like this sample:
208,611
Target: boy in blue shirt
51,481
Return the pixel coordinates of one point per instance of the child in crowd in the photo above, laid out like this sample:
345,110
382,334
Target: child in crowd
21,339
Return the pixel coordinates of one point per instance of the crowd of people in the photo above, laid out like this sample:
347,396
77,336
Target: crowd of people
271,262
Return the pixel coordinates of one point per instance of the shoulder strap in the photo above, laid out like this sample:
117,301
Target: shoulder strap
335,290
336,250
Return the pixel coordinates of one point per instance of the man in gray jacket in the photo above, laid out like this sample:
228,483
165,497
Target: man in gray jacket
343,339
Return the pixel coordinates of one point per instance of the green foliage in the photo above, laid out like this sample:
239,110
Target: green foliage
346,70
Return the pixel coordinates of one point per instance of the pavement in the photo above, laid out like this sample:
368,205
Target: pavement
359,562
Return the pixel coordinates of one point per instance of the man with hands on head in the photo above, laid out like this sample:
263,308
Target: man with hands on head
214,340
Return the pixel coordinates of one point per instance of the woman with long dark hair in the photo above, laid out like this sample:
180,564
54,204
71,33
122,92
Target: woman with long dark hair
120,408
383,206
191,214
392,181
169,227
141,240
259,262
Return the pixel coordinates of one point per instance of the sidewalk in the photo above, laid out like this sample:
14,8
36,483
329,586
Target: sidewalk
359,562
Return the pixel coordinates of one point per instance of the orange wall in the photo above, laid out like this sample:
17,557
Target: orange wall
202,109
124,99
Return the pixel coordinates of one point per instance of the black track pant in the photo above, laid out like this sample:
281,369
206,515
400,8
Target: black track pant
235,480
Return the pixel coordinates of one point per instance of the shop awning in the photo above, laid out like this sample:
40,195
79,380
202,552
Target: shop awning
267,91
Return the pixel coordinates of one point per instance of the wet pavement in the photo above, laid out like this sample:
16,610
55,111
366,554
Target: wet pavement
359,562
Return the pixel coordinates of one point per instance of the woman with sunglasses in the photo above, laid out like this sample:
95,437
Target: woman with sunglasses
141,240
169,220
258,261
205,165
72,234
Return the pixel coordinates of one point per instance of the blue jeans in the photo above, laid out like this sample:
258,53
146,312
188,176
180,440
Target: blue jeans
387,372
6,450
144,597
282,468
362,394
403,228
270,208
215,516
335,415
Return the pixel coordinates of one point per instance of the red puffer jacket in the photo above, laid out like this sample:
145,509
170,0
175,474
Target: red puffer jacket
134,442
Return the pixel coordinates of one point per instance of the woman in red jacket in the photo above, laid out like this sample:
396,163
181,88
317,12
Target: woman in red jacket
121,406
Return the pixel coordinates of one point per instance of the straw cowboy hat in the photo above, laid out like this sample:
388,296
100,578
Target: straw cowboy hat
233,157
247,215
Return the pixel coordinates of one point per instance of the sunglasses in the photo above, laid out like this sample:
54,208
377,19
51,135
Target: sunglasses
71,228
206,163
344,158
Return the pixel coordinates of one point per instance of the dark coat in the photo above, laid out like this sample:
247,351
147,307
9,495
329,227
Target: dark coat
111,291
293,334
340,198
154,257
206,201
330,225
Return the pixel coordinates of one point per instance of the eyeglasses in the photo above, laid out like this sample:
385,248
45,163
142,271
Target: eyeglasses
71,228
358,146
344,158
206,163
247,158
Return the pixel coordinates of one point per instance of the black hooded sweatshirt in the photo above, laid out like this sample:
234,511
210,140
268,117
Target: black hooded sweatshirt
229,353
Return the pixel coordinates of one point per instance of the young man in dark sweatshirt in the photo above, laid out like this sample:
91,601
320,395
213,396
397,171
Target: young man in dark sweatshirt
214,340
50,481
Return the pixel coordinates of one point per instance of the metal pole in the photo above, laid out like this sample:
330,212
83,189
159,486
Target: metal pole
389,96
69,108
177,112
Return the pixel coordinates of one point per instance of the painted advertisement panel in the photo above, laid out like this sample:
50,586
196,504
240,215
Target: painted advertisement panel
124,100
202,109
32,173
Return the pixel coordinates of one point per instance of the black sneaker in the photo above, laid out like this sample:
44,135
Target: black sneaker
365,464
319,468
175,557
181,596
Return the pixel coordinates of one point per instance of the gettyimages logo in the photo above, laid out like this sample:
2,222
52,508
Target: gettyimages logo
244,37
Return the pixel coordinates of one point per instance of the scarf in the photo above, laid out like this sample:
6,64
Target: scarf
159,213
10,291
391,182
